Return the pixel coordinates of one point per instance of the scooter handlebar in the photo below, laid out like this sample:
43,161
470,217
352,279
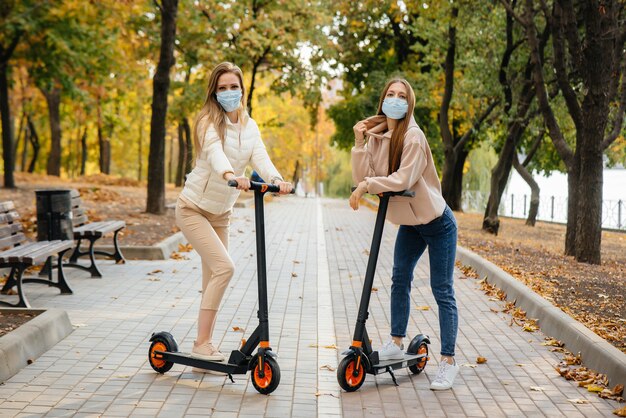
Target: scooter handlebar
403,193
262,187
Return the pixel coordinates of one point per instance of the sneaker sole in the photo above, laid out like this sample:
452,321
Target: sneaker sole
208,357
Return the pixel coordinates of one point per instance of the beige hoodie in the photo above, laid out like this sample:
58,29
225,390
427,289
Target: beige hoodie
370,162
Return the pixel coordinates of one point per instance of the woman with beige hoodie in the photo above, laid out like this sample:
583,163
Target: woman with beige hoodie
226,140
397,157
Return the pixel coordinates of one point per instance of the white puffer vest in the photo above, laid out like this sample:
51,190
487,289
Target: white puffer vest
205,185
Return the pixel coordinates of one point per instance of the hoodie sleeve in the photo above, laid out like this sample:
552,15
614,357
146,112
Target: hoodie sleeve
214,150
412,166
362,164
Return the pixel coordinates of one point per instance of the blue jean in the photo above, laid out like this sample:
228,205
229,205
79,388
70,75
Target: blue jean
440,237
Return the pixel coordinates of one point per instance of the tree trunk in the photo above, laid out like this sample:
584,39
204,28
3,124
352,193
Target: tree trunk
83,151
188,147
573,174
25,146
7,128
103,143
5,111
534,191
161,83
20,132
182,155
456,196
296,174
502,170
447,175
53,99
34,140
170,166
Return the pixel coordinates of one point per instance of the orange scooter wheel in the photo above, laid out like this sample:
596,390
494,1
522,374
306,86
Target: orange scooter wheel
351,373
156,360
421,365
268,381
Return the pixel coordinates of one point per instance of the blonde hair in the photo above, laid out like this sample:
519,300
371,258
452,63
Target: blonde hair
212,112
397,137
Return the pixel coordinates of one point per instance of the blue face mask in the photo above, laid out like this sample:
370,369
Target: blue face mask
395,108
229,99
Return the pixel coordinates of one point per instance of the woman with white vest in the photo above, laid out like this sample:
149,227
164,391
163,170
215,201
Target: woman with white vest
226,140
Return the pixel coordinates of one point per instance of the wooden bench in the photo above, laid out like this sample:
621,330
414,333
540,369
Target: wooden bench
92,232
18,254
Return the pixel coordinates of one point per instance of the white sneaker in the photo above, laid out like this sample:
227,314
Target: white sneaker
391,351
445,376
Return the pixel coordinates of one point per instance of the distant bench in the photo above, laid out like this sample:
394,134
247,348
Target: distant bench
92,232
18,254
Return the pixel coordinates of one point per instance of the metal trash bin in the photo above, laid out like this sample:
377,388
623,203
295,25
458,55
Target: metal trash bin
54,215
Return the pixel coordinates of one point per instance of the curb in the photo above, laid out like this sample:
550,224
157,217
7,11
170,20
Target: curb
159,251
597,353
22,346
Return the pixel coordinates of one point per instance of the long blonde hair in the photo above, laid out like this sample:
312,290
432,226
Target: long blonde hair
397,137
212,112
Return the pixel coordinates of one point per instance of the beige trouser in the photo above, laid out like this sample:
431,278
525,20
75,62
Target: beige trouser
208,234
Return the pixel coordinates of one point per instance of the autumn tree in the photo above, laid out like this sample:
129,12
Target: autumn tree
588,46
161,83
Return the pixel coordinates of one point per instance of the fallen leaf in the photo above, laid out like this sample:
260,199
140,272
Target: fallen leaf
239,329
552,343
520,365
618,390
620,412
481,360
423,308
294,275
537,388
473,366
595,388
374,289
328,394
579,401
529,327
156,271
327,367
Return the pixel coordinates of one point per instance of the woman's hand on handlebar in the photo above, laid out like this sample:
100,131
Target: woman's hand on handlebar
356,195
285,187
243,183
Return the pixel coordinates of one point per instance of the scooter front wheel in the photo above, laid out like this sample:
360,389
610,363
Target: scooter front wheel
268,381
351,373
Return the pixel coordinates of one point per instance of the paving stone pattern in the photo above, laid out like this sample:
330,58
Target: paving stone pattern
101,369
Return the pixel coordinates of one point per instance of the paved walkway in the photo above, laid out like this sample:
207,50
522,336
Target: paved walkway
316,261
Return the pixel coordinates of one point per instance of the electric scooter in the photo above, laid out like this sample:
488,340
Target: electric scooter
360,358
164,352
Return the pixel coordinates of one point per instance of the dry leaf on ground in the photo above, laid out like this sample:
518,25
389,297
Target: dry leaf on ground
481,360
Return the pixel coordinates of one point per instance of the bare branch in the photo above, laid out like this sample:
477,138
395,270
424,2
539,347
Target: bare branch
560,144
534,147
571,33
444,126
510,11
621,110
562,77
476,126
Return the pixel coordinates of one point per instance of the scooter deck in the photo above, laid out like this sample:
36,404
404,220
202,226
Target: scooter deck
218,366
406,361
